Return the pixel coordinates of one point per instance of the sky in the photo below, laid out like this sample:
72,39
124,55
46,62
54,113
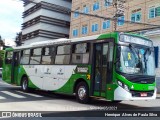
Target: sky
10,18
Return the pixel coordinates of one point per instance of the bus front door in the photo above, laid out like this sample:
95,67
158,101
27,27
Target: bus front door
15,66
100,69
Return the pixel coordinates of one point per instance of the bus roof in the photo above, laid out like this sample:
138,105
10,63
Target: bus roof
56,41
65,40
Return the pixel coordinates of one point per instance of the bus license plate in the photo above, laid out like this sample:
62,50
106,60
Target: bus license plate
143,94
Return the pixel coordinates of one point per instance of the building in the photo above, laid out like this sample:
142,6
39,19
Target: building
143,11
45,19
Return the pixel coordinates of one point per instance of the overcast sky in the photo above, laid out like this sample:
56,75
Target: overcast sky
10,18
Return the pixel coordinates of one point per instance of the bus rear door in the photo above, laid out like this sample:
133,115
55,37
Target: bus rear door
15,66
7,67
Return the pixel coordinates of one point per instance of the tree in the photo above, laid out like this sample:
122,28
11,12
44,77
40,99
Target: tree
19,39
1,42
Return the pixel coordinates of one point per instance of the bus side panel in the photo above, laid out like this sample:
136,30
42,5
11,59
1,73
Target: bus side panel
6,73
21,74
77,75
58,80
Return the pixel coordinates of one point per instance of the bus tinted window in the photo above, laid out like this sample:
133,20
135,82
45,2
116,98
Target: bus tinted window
64,49
35,56
48,54
63,54
80,48
80,53
9,57
62,59
25,57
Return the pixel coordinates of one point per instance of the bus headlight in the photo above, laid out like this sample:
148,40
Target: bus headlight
120,83
124,86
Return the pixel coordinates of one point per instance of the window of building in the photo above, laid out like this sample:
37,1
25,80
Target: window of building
80,53
136,17
95,6
76,13
94,27
48,55
63,54
35,56
85,9
120,21
106,24
84,29
25,57
154,12
75,33
108,2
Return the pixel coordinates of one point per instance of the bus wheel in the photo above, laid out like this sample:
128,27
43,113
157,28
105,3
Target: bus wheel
24,85
82,93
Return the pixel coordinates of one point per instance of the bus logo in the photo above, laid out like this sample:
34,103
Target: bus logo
60,72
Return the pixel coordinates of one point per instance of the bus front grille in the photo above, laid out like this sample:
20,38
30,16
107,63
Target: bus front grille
140,93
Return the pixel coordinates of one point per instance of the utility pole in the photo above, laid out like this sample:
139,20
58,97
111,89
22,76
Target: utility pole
120,7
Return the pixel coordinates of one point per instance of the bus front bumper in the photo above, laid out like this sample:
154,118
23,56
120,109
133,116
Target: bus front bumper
122,94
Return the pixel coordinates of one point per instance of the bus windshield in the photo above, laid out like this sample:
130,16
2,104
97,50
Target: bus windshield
137,60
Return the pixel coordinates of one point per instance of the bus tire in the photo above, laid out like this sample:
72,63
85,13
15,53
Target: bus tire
116,101
24,85
82,93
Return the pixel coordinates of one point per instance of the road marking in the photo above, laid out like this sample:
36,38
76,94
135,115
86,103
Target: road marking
13,94
34,95
1,98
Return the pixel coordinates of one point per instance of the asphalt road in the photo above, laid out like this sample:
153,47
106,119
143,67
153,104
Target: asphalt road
13,99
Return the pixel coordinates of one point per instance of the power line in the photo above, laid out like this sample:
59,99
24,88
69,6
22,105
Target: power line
101,17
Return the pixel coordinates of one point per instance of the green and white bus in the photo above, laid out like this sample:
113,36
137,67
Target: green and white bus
115,66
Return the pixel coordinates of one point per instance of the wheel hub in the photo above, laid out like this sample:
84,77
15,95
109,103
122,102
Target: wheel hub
82,92
24,84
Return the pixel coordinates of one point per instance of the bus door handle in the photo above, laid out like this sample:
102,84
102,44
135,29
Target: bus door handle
54,78
41,77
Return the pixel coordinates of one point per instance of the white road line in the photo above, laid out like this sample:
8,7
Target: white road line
1,98
34,95
13,94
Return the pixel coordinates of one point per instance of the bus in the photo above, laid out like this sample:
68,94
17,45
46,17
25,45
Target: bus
116,66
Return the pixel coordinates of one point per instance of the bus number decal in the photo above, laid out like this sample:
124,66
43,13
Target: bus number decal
82,69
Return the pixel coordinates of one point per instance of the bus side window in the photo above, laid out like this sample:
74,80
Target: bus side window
25,57
9,56
63,54
48,55
35,56
80,53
